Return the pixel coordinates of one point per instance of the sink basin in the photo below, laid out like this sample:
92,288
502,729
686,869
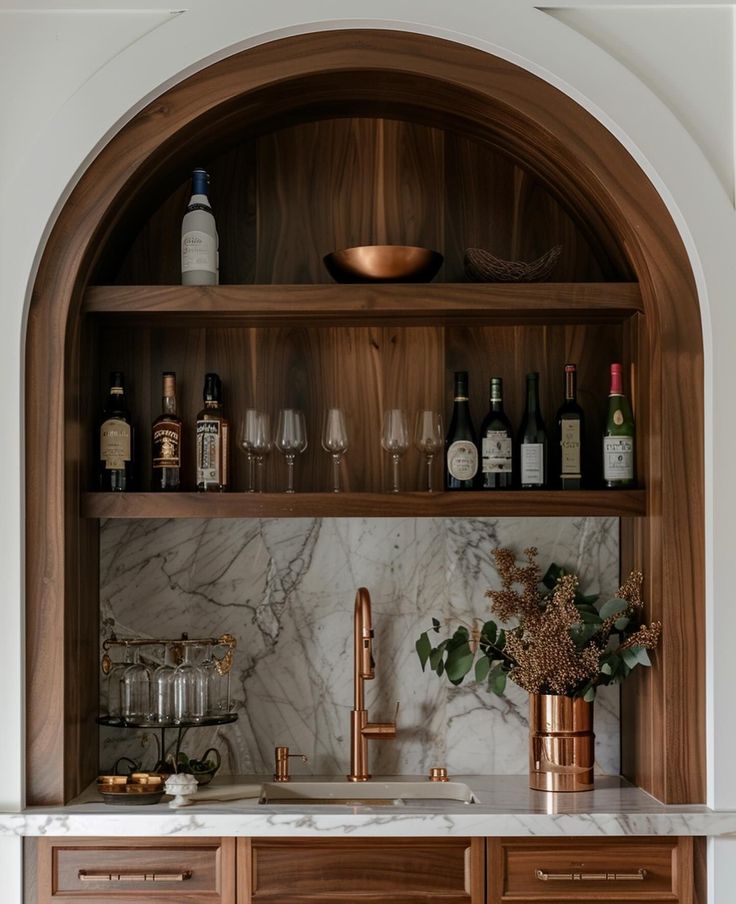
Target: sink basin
368,794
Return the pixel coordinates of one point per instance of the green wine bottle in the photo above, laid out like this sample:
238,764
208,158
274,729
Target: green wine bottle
619,436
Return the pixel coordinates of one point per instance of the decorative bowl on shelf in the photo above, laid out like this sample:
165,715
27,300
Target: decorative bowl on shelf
135,790
482,266
383,263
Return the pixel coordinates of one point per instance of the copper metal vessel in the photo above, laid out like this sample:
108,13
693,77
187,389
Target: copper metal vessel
561,743
383,263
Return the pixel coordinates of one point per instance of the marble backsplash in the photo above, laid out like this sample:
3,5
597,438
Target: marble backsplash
285,589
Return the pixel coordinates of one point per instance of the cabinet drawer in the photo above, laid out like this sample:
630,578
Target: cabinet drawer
364,869
614,870
150,870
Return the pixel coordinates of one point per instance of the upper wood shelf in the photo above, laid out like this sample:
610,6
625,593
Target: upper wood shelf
394,303
512,503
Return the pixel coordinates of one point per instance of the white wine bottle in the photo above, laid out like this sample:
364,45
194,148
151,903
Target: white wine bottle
200,255
618,438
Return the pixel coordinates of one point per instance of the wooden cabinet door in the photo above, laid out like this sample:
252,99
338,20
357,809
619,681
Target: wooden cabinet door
366,870
132,870
588,870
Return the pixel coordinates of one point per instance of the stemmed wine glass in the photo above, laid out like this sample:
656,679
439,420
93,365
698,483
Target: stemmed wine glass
429,439
136,690
247,436
395,439
162,703
190,690
291,439
260,442
335,441
115,683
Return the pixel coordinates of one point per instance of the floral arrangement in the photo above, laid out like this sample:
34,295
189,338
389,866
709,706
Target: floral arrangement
563,642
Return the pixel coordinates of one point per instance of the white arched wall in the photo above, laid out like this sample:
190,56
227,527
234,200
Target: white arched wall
41,178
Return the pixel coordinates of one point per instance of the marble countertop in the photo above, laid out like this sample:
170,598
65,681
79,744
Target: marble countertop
505,807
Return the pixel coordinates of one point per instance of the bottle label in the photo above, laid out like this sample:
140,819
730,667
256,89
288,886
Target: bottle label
532,464
462,460
115,444
198,252
496,452
208,452
618,417
166,444
570,447
618,458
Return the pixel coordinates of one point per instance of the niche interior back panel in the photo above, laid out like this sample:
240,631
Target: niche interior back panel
285,589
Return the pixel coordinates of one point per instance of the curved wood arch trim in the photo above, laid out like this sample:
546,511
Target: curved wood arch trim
668,757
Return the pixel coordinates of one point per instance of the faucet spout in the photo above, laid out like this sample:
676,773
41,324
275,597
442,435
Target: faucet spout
361,730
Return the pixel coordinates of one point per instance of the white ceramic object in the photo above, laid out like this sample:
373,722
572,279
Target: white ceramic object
182,787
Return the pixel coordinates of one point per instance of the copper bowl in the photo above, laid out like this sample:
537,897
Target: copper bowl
383,263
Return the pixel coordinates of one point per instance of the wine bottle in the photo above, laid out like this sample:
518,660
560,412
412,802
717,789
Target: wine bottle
570,434
212,439
200,256
166,439
496,438
461,452
532,440
619,436
116,440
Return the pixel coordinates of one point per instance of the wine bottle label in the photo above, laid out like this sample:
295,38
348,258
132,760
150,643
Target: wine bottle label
198,252
618,457
115,444
166,444
618,417
532,464
570,447
209,438
462,460
496,452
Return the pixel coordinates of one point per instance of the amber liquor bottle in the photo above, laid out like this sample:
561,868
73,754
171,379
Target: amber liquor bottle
166,435
212,439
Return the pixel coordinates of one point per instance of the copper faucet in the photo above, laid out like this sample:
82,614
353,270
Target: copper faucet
361,730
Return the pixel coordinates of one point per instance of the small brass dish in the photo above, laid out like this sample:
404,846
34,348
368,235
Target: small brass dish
136,789
383,263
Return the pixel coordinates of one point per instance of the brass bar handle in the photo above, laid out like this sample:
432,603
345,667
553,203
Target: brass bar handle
544,876
85,876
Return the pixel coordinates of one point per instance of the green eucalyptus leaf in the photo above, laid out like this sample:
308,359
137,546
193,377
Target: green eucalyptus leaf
589,695
436,659
436,625
482,668
459,663
501,639
590,618
497,682
607,668
642,656
613,607
621,624
489,632
424,648
631,657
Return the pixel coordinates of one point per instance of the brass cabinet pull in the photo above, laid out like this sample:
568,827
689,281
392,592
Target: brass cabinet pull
85,876
638,876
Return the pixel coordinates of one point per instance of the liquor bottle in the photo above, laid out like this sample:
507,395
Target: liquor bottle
166,439
618,439
570,434
532,440
496,439
200,256
461,451
212,439
116,440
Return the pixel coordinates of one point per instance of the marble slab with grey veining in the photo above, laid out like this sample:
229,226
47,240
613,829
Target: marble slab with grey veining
505,807
285,589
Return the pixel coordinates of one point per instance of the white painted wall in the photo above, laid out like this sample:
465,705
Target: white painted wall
659,75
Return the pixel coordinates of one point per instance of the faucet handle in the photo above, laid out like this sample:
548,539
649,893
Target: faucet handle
282,757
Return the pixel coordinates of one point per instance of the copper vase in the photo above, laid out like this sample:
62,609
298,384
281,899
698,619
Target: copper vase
561,743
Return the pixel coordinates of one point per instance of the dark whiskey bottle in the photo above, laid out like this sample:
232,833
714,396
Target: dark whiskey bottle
116,440
212,439
166,440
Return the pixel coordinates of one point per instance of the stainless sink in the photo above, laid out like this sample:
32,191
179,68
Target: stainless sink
368,794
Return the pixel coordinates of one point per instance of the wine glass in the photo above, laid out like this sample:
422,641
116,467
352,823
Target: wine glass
335,441
136,690
162,704
429,439
291,439
261,443
247,435
190,690
115,683
395,439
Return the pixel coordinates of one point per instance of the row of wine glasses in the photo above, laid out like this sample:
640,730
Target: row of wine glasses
291,440
188,692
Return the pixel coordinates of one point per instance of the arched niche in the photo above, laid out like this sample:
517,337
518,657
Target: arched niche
589,185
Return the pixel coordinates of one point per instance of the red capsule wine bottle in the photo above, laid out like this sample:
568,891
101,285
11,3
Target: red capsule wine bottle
619,436
532,440
497,445
570,435
461,451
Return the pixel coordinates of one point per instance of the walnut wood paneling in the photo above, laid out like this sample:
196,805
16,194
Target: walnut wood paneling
368,870
513,865
67,869
438,85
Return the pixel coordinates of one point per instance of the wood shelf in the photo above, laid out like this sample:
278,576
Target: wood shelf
513,503
394,303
